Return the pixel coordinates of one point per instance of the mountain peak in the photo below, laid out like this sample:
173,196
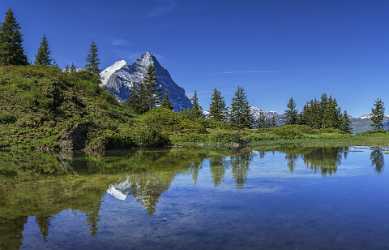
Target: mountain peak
120,77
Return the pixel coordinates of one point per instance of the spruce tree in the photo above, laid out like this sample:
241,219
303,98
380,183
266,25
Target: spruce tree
240,116
291,114
134,98
43,56
377,115
165,103
92,60
217,109
196,112
149,95
11,42
262,123
345,123
273,121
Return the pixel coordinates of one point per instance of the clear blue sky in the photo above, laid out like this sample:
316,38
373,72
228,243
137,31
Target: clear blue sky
273,48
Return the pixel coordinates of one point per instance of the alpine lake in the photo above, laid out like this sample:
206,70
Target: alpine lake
186,198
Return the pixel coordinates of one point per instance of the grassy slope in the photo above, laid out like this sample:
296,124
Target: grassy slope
27,120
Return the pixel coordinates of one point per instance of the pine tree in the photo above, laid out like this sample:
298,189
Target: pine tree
93,61
345,123
165,103
43,56
217,110
377,115
11,42
291,114
273,121
262,123
73,68
150,97
134,96
240,116
196,112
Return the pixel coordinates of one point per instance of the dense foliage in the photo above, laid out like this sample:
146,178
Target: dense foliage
43,56
11,42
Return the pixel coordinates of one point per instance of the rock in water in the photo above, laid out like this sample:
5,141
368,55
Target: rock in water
119,78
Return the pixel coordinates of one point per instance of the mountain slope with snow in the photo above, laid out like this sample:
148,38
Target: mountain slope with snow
120,77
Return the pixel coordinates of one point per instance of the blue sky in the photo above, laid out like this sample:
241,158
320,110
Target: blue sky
274,49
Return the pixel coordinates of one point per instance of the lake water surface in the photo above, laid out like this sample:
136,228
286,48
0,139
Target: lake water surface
293,198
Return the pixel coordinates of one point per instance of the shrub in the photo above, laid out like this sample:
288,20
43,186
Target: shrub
7,119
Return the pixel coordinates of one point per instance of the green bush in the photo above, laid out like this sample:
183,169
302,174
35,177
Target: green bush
7,119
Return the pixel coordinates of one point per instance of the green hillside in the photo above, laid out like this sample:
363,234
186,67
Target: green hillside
45,109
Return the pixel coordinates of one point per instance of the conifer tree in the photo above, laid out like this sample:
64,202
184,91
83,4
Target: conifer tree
73,68
291,114
377,115
217,109
43,56
273,121
134,96
346,123
240,116
149,95
196,111
11,42
262,123
92,60
165,103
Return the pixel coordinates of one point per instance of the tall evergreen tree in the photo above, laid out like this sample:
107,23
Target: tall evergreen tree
346,123
291,114
262,123
217,110
134,98
92,60
43,56
11,42
150,96
377,115
241,116
165,103
196,111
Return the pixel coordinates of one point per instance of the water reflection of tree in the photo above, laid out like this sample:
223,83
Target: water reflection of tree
377,159
240,164
11,232
325,159
217,169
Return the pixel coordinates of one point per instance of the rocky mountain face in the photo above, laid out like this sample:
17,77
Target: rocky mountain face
120,77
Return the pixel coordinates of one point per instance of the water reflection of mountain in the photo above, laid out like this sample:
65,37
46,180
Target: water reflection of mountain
144,175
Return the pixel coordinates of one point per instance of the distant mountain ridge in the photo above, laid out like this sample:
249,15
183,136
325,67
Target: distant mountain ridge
120,77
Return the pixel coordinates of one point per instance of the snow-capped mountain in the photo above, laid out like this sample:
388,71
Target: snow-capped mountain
256,111
119,78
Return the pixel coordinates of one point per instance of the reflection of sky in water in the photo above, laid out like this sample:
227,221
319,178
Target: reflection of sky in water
262,205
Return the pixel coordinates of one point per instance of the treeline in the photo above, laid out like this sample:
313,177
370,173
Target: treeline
145,96
12,50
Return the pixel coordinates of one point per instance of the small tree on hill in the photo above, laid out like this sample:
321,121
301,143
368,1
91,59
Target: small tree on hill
291,114
346,123
92,60
150,97
165,103
11,42
43,56
196,112
240,116
377,115
217,109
